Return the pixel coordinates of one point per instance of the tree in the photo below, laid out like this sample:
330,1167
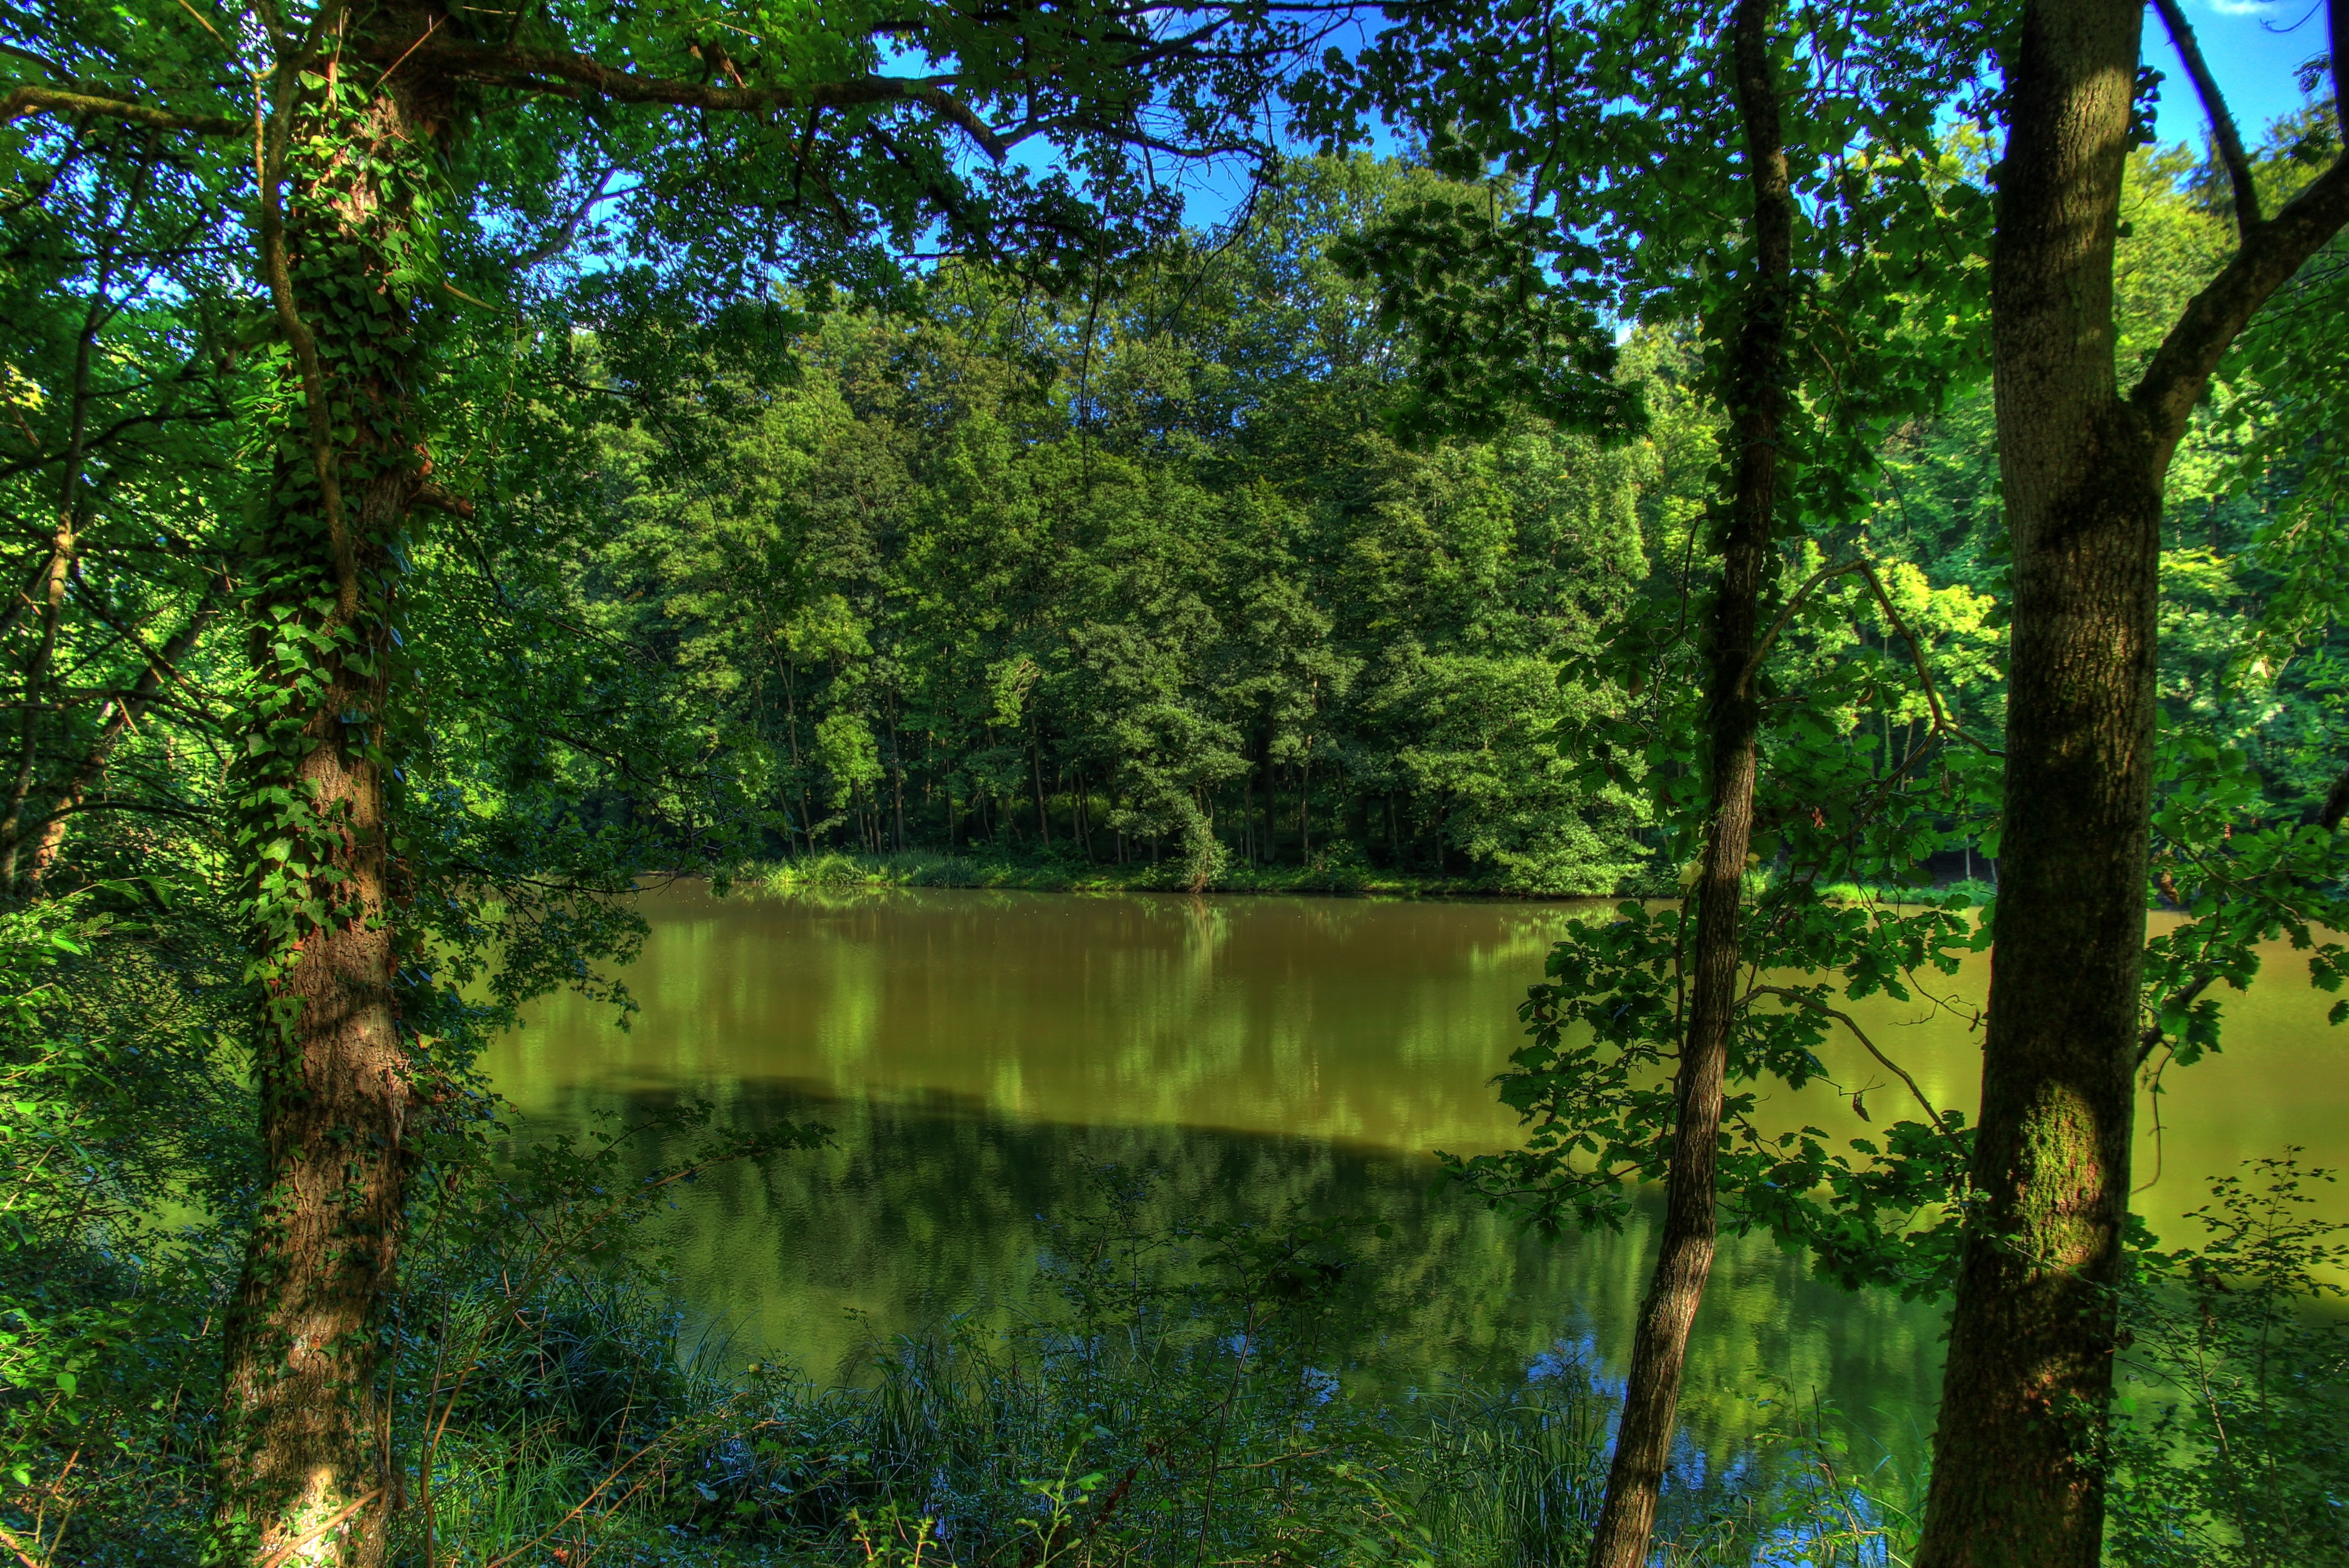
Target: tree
394,149
2017,1477
1819,122
1141,554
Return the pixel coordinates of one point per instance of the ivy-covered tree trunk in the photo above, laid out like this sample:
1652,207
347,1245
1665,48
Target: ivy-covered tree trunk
304,1468
1685,1249
2016,1475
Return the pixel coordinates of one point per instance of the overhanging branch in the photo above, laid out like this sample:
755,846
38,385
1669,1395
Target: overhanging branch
23,101
565,75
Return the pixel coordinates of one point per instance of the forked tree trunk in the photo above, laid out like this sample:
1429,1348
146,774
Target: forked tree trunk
1684,1251
2016,1477
304,1471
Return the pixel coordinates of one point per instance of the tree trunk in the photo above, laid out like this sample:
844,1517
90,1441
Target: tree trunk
1304,805
791,731
1684,1251
897,781
2029,1370
304,1474
1036,776
2029,1380
1271,807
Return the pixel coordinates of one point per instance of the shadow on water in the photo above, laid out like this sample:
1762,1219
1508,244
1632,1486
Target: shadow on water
930,1206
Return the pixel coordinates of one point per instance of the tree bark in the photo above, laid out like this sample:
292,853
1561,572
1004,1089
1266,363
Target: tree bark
2015,1477
304,1474
1684,1251
1036,775
2016,1474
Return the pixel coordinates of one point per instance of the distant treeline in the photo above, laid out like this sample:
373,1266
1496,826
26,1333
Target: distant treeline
1136,578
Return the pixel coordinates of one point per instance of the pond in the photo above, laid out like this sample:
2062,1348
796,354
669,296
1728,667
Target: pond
987,1060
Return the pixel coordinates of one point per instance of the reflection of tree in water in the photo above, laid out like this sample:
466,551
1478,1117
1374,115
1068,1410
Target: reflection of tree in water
1331,1019
929,1209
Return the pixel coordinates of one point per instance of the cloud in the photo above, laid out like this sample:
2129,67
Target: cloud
2240,7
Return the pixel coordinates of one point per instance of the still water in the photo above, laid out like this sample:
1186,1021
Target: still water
982,1056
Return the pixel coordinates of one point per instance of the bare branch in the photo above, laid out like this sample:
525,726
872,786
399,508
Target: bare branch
2214,107
1806,1000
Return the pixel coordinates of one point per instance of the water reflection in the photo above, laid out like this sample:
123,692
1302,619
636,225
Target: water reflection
980,1055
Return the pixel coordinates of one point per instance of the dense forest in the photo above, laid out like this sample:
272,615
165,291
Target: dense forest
1150,577
462,465
1136,578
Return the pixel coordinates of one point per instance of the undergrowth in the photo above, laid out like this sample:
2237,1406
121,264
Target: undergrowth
1171,1394
1165,1402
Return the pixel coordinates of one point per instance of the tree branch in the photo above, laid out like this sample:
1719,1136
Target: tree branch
2336,19
2268,257
72,795
1941,720
2149,1041
1804,999
2336,799
567,74
2214,107
439,500
269,164
23,101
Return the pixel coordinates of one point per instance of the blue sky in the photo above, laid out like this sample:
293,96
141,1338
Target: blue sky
2256,61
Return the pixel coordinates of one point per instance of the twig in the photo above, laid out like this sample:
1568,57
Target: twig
1815,1006
336,1518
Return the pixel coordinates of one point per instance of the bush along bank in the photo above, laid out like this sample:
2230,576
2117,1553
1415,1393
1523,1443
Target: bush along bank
1341,870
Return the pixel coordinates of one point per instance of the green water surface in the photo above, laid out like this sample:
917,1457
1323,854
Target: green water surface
982,1056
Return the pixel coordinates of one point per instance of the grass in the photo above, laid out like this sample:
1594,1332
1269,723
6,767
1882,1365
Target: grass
1164,1401
1149,1443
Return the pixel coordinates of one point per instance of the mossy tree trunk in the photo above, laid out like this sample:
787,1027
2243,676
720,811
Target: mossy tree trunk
2016,1475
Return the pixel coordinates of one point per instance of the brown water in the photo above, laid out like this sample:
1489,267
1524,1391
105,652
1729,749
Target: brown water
982,1056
